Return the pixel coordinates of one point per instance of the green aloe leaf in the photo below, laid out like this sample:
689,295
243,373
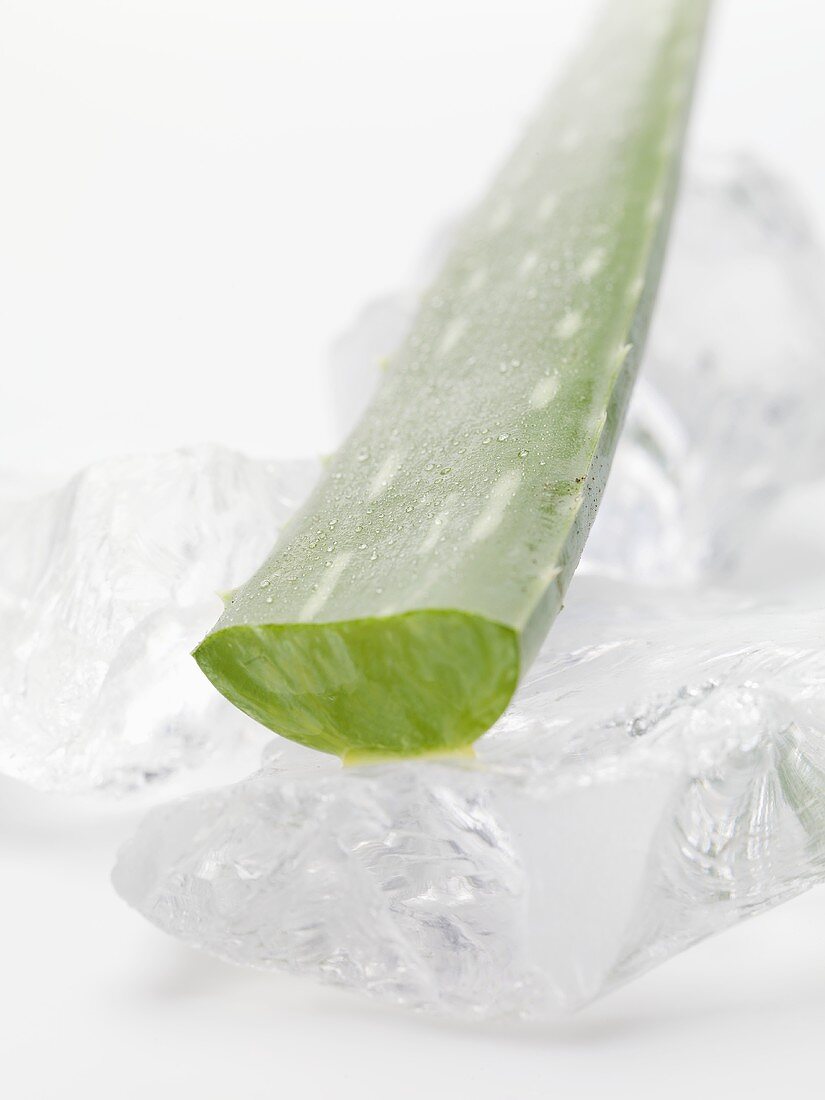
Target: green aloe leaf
400,607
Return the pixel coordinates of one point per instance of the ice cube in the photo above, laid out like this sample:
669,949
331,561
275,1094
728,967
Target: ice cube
645,789
106,585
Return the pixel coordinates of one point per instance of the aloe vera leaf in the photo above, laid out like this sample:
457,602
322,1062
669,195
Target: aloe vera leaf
398,610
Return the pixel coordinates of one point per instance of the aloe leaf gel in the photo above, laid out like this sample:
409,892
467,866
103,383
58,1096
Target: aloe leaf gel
399,609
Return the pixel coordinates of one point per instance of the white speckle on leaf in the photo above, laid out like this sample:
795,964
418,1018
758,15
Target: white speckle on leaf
592,264
528,263
502,493
386,472
544,392
549,575
569,325
636,288
432,536
622,354
452,334
436,528
325,587
477,280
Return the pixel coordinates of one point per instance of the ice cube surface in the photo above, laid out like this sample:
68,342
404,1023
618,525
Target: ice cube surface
639,795
661,771
106,584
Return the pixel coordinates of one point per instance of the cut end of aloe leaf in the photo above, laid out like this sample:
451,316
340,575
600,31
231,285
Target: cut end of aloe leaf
414,684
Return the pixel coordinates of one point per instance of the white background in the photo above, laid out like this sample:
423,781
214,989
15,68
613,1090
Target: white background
196,198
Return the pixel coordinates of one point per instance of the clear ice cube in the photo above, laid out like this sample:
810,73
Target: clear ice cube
661,771
642,792
106,584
